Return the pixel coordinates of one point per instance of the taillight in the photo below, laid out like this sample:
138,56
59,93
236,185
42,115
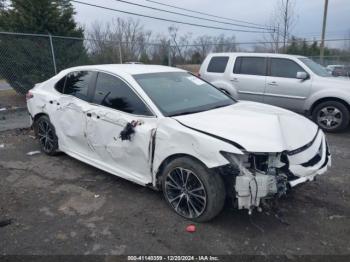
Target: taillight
198,74
29,95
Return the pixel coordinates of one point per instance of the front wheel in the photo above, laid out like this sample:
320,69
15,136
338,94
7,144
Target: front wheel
192,191
331,116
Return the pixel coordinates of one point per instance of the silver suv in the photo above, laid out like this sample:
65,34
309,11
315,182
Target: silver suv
293,82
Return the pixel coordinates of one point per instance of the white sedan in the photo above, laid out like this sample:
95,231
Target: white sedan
164,128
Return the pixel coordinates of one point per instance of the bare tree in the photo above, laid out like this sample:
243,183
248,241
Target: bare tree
271,40
180,43
281,23
121,37
161,50
224,44
287,16
202,45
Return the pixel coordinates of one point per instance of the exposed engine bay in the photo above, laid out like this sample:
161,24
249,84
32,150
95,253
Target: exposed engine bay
263,176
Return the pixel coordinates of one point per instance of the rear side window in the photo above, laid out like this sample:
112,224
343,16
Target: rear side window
60,85
112,92
218,64
287,68
250,66
77,84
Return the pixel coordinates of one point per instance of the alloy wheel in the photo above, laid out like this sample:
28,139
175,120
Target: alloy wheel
185,192
329,117
46,136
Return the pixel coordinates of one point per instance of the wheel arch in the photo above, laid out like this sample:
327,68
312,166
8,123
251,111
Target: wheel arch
169,159
38,115
326,99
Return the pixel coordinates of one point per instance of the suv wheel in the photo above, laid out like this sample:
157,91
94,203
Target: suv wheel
192,191
331,116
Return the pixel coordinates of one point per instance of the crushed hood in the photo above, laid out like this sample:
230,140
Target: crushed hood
254,126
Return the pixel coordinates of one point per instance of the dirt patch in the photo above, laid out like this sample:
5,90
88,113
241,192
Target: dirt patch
10,99
191,68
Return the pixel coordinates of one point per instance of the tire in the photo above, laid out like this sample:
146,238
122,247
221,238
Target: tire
200,197
45,132
331,116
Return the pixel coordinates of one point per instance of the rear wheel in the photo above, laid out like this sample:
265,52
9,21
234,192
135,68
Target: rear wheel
192,191
45,132
331,116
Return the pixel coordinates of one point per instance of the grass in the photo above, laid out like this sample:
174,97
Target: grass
8,92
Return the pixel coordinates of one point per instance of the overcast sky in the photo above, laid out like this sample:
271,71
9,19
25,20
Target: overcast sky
308,15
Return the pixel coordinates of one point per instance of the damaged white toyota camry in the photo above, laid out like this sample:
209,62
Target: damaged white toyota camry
167,129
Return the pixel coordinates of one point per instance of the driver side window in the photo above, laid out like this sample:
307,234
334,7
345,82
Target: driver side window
286,68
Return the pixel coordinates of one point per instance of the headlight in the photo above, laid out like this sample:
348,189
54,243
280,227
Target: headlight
239,161
254,162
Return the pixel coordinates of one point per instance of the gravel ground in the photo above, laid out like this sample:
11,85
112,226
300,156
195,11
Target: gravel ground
59,205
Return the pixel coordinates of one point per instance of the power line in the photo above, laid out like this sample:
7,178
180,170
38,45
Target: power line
167,20
268,42
155,43
202,13
196,17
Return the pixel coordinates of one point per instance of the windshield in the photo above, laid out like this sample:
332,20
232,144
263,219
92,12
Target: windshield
179,93
316,68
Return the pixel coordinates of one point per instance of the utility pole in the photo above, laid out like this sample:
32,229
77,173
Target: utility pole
285,32
278,39
323,31
53,54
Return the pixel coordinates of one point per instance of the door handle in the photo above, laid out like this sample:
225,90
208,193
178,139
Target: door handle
88,114
234,79
273,83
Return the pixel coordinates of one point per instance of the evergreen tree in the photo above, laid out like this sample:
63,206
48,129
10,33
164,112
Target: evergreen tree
196,58
26,60
144,58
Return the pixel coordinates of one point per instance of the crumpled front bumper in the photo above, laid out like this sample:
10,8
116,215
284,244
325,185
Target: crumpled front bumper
300,165
318,159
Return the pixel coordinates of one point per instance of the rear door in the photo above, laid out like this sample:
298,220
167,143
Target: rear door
248,77
283,89
120,128
68,112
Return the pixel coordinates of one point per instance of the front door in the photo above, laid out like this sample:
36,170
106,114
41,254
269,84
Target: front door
119,129
283,89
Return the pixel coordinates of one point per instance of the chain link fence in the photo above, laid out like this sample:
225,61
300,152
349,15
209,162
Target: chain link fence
27,59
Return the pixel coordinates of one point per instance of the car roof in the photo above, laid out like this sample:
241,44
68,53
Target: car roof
257,54
131,69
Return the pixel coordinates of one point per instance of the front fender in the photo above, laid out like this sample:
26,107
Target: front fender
172,138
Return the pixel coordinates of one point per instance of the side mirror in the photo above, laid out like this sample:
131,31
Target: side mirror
302,75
